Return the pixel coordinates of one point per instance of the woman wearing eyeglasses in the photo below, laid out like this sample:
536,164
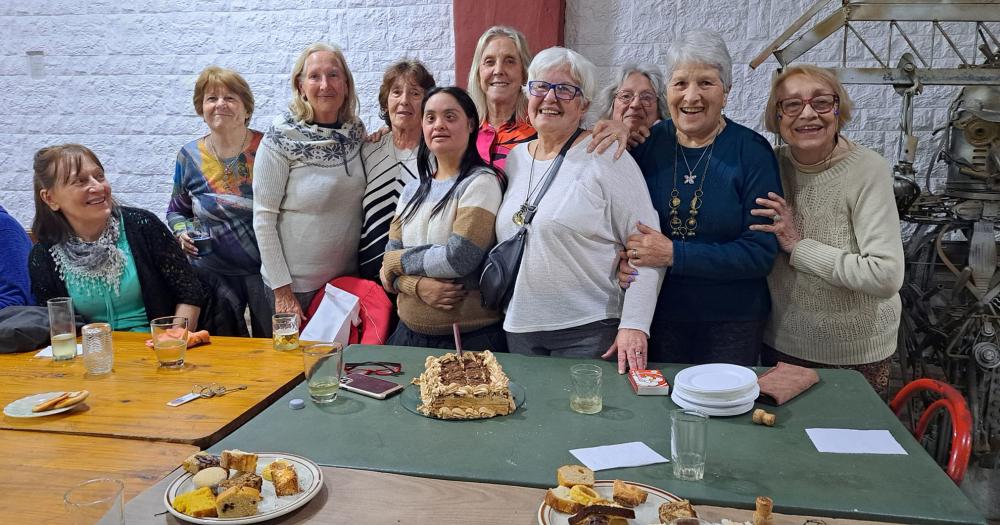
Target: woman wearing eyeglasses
835,286
564,301
636,99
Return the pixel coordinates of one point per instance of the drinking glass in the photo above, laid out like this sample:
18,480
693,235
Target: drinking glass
97,501
98,352
200,235
285,330
62,328
586,397
324,366
169,340
688,441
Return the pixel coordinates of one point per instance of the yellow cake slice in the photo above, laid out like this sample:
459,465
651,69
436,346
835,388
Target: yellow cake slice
472,387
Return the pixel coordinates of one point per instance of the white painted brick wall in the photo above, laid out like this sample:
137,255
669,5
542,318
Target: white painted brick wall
119,75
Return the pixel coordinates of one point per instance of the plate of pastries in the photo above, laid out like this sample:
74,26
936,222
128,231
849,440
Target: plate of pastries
239,487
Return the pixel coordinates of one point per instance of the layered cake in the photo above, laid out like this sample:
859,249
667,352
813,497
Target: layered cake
472,387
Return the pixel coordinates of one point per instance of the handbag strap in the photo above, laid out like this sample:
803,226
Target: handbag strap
529,213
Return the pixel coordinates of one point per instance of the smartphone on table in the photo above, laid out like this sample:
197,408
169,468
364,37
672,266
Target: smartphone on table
369,386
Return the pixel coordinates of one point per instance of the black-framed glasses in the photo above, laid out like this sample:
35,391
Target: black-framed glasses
791,107
646,98
377,368
541,88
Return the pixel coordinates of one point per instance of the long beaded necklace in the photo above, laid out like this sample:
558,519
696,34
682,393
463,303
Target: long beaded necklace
229,167
681,228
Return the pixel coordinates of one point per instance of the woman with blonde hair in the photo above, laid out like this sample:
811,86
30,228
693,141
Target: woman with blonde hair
835,284
309,182
496,81
213,178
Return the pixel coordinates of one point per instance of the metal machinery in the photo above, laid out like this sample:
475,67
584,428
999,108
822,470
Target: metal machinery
951,295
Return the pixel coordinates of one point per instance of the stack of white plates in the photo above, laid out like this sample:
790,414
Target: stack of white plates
716,389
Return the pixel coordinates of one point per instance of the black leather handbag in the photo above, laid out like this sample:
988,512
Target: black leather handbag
496,284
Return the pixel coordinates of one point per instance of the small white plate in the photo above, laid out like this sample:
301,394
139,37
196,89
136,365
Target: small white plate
271,506
648,512
715,402
712,411
22,407
716,379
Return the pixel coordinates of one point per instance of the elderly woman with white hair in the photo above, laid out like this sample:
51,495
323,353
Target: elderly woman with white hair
309,181
704,172
636,98
565,302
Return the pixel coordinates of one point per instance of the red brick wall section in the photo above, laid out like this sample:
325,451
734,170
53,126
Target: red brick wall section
541,21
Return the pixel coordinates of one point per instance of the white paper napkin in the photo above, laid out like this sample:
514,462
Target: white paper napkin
847,441
634,454
47,351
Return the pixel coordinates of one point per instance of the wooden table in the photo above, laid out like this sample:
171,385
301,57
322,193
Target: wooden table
131,401
360,496
38,468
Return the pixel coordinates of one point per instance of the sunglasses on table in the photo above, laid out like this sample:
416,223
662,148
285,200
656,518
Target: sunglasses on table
377,368
646,98
792,107
541,88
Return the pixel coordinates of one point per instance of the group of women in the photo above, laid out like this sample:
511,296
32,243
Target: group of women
703,244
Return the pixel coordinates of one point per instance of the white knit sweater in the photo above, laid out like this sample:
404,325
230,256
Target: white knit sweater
308,185
835,299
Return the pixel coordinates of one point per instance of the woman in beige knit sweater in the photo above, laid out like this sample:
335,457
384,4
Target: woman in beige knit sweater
835,287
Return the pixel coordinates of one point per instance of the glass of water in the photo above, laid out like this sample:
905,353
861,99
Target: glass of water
97,501
62,328
688,443
170,336
98,351
324,366
586,397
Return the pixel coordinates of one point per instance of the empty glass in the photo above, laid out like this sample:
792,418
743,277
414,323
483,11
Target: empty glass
98,351
688,441
62,328
97,501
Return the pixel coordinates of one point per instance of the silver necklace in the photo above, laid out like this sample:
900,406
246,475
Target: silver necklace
690,177
519,215
229,167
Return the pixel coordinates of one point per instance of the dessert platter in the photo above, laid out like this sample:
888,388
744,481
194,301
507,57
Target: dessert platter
716,389
579,499
470,386
45,404
239,487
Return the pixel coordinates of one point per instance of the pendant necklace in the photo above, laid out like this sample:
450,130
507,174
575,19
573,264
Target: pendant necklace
229,167
525,208
686,228
690,177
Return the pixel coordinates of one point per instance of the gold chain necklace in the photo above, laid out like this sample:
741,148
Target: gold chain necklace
228,168
687,228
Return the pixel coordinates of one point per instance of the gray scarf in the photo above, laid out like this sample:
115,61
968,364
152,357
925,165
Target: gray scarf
92,266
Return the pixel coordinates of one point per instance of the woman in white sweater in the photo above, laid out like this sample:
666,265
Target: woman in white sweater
309,182
835,287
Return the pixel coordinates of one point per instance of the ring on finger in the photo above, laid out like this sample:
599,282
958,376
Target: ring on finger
776,218
635,253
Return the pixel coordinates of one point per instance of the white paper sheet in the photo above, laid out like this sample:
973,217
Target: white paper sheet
47,351
634,454
848,441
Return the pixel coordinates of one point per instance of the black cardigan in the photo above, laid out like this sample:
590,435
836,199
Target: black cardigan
165,275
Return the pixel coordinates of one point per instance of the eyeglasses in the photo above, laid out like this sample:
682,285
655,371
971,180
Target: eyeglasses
378,368
541,88
791,107
646,98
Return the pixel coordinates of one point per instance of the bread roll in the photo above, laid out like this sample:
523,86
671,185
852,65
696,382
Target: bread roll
570,475
558,498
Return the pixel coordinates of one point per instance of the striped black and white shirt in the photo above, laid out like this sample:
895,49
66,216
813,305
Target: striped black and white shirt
388,171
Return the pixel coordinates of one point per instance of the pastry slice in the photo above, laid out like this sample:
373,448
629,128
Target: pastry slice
628,495
570,475
559,499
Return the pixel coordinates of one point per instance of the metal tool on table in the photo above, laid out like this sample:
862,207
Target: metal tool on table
204,392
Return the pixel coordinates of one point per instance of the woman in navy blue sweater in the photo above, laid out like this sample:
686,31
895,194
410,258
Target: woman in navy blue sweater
704,172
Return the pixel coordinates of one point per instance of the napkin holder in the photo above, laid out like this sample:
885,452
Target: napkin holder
785,381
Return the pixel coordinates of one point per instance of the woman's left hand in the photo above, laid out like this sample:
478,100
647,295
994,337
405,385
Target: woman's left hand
783,221
631,346
649,248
